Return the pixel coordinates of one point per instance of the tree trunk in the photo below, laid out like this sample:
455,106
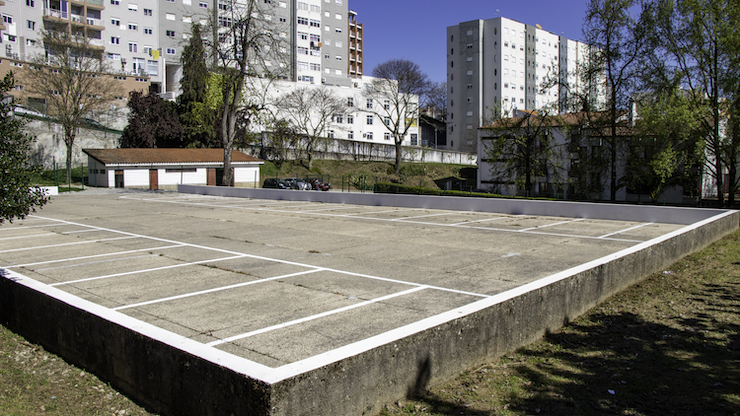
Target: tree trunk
69,141
399,156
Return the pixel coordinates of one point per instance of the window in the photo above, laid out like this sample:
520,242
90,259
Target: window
386,136
303,35
115,56
133,47
330,134
148,12
31,24
315,67
170,33
351,135
31,3
115,40
115,21
315,23
338,30
386,104
302,21
387,121
133,7
414,139
369,135
369,119
169,16
350,119
133,26
350,101
115,2
203,5
171,51
7,19
338,57
148,31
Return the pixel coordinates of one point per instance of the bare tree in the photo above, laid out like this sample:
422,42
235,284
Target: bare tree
249,53
72,78
395,91
311,110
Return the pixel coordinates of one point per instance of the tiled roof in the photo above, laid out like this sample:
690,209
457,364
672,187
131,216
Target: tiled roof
166,156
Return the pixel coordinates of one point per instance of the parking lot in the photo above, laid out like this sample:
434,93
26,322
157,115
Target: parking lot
279,282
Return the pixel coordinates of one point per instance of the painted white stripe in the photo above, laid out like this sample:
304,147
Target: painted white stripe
483,220
174,266
422,216
314,317
95,262
94,256
27,236
551,225
626,230
216,289
67,244
23,227
79,231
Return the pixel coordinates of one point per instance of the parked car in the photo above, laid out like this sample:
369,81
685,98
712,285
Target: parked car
275,183
297,183
318,185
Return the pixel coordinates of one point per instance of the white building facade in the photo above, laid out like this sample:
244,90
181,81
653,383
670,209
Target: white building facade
497,66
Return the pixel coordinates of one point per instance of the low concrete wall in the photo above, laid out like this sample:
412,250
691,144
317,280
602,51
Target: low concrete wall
173,375
620,212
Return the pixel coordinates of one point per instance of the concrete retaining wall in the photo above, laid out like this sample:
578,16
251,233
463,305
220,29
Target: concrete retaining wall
175,376
620,212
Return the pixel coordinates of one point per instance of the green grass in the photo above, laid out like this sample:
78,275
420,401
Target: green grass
669,345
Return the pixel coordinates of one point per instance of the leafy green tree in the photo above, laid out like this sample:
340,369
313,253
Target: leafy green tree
18,196
152,123
666,148
197,116
694,46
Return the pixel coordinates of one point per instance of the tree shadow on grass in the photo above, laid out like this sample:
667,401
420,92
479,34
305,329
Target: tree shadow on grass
621,364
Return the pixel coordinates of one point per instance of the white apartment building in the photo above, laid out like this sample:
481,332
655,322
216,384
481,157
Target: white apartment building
143,39
497,66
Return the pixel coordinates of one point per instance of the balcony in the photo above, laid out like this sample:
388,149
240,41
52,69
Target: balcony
58,14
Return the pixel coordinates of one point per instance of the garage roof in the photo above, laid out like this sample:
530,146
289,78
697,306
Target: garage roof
167,156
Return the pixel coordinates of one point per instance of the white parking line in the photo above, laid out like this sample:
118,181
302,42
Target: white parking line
95,262
78,231
174,266
422,216
94,256
26,236
483,220
551,225
626,230
216,289
67,244
314,317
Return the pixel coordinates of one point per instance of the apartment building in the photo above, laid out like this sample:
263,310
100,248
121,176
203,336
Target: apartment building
143,40
498,66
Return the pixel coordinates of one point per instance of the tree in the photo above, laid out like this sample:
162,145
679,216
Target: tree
197,115
694,47
248,52
72,80
152,123
666,149
616,44
395,90
310,110
435,98
521,149
18,196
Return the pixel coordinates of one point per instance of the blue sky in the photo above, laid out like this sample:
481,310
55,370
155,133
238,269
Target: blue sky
416,30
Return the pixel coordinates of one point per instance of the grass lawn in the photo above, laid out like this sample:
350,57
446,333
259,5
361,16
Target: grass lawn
667,346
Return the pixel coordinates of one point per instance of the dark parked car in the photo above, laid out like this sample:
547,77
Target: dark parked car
297,183
275,183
